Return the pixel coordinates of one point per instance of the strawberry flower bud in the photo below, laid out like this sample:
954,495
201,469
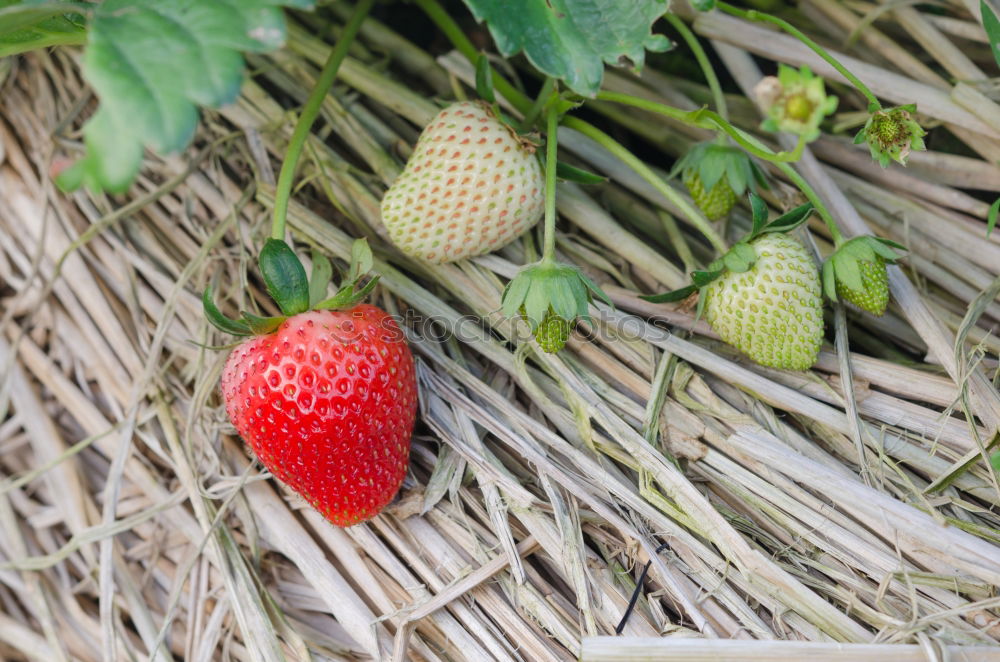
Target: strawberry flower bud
795,101
892,134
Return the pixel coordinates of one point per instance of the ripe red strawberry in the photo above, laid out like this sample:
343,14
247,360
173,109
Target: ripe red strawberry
328,402
471,186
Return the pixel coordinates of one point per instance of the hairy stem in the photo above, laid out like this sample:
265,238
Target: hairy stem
551,151
706,67
309,114
754,15
536,108
644,171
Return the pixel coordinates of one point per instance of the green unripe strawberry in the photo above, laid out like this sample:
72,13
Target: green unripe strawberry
715,203
552,334
773,311
874,295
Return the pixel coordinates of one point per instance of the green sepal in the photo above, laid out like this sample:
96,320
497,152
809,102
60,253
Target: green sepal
541,286
847,271
347,296
220,321
570,173
829,280
759,210
790,220
284,277
740,258
703,278
319,279
484,79
262,326
714,162
991,217
672,296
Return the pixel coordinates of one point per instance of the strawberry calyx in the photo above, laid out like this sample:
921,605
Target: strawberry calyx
741,256
892,134
294,293
795,101
856,272
714,163
547,288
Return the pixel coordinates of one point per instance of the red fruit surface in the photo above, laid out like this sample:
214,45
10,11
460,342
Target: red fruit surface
328,403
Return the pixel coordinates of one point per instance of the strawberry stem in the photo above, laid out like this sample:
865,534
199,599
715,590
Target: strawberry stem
647,173
309,114
537,106
706,67
551,152
759,16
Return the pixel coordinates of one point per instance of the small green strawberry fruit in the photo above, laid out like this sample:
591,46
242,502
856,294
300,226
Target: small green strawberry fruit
550,297
856,272
716,175
874,293
773,311
552,334
716,203
471,186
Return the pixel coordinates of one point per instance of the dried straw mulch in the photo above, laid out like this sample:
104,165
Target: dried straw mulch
134,525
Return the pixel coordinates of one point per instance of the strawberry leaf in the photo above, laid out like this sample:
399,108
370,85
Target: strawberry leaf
285,277
992,25
153,63
28,25
572,39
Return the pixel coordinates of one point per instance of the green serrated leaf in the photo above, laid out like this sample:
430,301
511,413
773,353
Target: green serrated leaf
790,220
991,217
829,281
572,39
152,63
992,26
570,173
484,79
759,211
670,297
284,277
319,279
220,321
262,325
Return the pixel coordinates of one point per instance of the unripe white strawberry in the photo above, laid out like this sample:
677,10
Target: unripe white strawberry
471,186
772,312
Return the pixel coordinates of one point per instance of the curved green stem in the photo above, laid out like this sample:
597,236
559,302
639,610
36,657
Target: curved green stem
754,15
706,119
817,203
551,152
706,67
644,171
309,114
538,105
453,32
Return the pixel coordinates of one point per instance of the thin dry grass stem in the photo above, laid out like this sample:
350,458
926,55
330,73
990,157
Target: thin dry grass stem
798,515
